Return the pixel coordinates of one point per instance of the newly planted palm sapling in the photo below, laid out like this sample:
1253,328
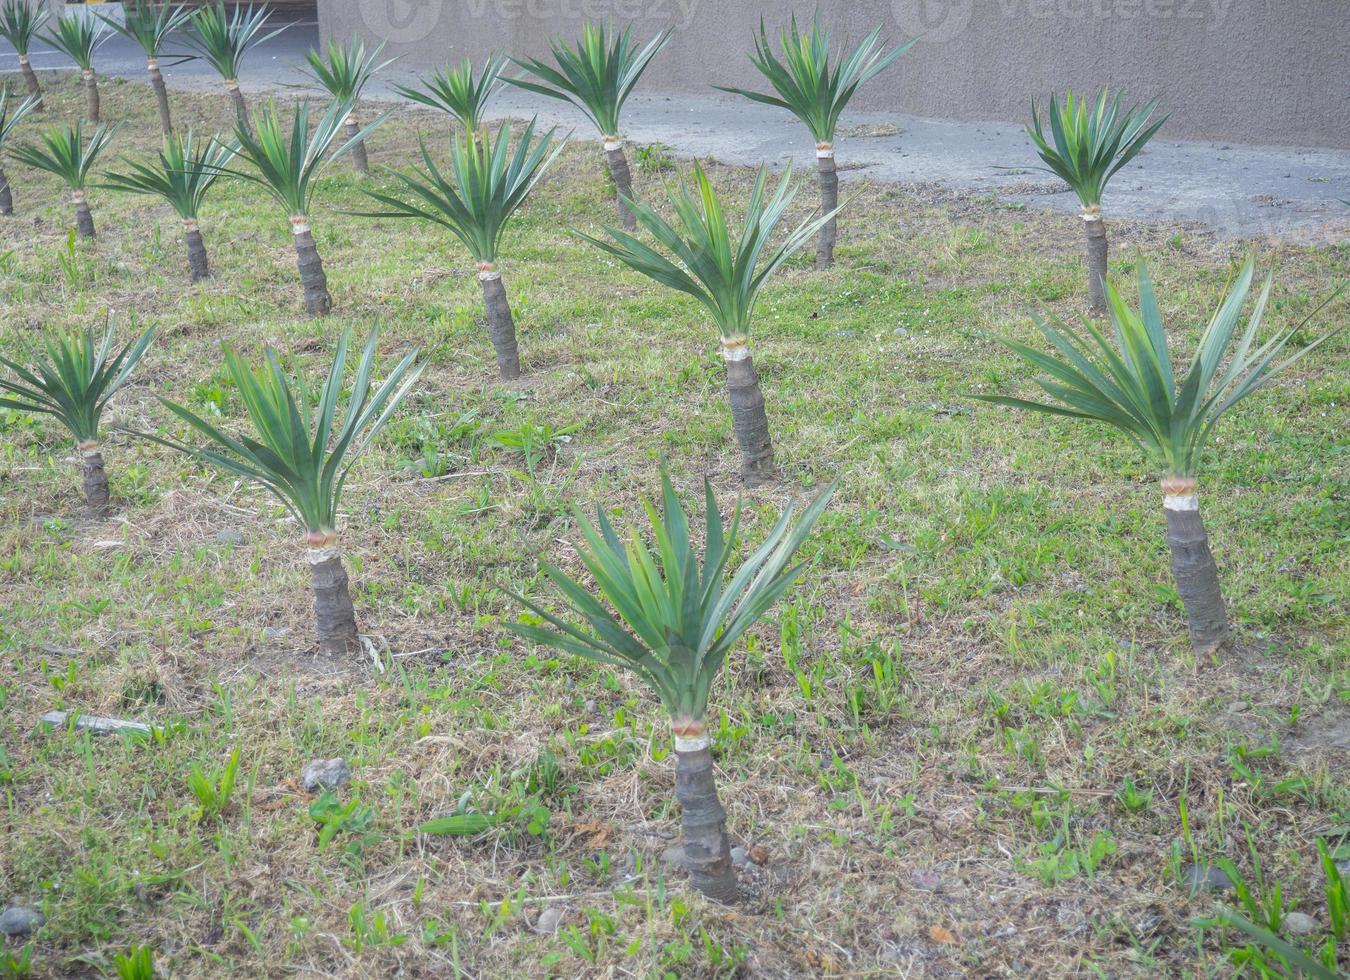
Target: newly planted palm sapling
185,172
459,92
20,22
672,620
303,455
491,182
1088,144
79,37
597,78
64,153
725,274
344,72
222,39
149,24
288,160
73,384
10,117
1132,387
805,83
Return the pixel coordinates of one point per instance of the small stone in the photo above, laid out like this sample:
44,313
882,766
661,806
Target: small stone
229,536
1298,924
1207,878
1237,707
739,855
274,632
928,881
548,921
1343,867
325,773
18,920
900,332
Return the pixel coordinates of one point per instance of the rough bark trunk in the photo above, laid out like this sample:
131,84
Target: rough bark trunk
334,617
829,200
1193,568
240,108
317,300
30,79
705,851
1096,262
161,96
95,480
623,181
6,198
747,415
197,264
84,218
358,151
501,325
91,96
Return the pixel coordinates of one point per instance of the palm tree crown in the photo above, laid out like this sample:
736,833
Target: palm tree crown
64,153
149,24
79,37
186,170
222,38
20,21
459,92
346,70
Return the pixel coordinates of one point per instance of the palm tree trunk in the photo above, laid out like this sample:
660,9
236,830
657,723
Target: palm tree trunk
706,852
30,79
317,300
90,95
623,179
1096,260
95,479
359,159
84,218
161,95
197,265
829,200
747,413
334,616
6,198
1193,567
501,325
240,108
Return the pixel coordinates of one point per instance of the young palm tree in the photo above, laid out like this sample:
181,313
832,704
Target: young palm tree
304,458
816,94
9,121
64,153
720,272
149,24
73,384
1091,142
222,39
344,75
19,24
79,37
597,78
287,165
1133,387
673,623
458,92
185,173
491,183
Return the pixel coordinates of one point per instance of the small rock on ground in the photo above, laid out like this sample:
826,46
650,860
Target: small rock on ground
1298,924
326,773
1208,877
548,921
230,536
739,855
19,920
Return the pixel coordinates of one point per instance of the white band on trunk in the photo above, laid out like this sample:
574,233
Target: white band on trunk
611,145
23,59
1091,216
317,556
299,224
77,197
152,64
692,744
87,72
1184,501
88,449
231,84
487,275
190,224
824,152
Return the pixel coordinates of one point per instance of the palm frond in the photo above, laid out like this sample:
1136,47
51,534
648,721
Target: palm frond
298,450
806,84
74,381
11,117
222,38
20,22
671,619
149,24
459,92
597,77
185,172
491,182
723,273
1088,142
345,71
1132,385
64,153
79,37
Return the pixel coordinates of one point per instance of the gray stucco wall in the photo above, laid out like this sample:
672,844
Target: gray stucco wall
1248,71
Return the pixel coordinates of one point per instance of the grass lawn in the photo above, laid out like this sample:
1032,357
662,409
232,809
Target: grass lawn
972,741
